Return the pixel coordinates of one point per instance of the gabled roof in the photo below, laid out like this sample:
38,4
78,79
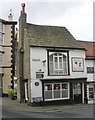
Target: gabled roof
90,48
51,36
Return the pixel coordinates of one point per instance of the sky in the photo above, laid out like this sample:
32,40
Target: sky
75,15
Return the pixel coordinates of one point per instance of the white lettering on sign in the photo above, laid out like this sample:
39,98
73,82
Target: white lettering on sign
36,60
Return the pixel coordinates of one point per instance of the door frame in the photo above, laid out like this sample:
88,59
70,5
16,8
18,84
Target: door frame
77,95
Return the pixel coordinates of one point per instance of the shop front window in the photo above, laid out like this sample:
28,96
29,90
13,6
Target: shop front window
55,91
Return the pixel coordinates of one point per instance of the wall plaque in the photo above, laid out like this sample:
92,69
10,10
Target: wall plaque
39,74
36,83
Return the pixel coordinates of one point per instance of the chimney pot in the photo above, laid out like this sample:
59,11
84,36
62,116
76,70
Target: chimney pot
10,17
23,7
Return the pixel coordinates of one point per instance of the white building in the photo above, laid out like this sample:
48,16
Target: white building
90,69
50,65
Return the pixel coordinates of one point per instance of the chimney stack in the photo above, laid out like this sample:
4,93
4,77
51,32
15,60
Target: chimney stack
10,17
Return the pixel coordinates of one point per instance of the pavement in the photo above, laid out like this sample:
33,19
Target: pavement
14,104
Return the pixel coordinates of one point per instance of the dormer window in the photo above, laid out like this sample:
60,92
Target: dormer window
58,63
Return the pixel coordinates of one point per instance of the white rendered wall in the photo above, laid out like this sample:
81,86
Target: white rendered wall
37,55
90,76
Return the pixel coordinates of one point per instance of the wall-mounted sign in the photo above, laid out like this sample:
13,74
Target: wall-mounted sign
77,64
39,74
36,60
90,69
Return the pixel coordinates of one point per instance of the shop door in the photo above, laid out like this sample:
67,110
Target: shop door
77,92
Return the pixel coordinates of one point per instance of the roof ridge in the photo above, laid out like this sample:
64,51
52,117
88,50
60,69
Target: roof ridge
46,25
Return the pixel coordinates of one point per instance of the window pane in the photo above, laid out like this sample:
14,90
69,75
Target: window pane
60,59
77,88
57,94
48,94
91,91
55,59
60,63
56,86
91,95
48,87
55,63
51,65
65,90
48,91
51,58
64,93
60,54
55,54
65,86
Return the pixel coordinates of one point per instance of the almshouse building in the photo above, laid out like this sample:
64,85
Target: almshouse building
50,64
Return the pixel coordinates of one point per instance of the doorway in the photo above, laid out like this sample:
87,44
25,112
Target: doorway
77,92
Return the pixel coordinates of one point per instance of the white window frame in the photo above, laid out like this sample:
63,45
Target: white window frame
60,91
64,68
58,61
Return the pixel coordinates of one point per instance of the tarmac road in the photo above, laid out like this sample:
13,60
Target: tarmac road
14,109
75,113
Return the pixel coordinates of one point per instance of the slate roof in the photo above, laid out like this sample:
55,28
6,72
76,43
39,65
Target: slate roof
90,48
51,36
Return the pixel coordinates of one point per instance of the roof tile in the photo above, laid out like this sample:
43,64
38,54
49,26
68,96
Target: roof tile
51,36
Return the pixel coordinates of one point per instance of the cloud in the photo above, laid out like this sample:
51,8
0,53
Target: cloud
46,1
76,15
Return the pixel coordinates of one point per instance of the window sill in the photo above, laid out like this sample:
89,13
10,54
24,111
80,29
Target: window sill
56,99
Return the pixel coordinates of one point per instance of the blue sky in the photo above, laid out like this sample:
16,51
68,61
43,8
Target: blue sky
75,15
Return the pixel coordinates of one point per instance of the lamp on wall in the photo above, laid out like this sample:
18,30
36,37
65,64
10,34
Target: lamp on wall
44,62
